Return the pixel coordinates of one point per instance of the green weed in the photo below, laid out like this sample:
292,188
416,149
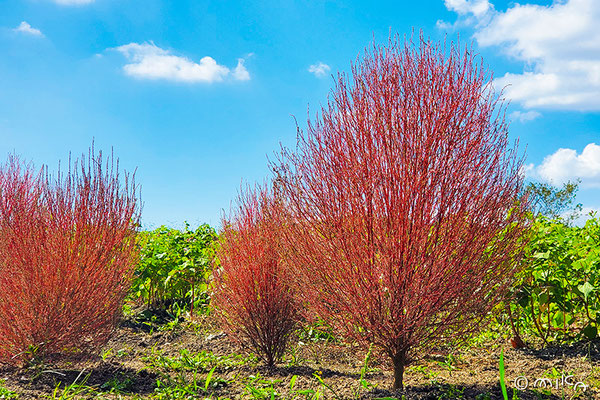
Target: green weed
76,389
6,393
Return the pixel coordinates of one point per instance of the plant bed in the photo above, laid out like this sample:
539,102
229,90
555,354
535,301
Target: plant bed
196,360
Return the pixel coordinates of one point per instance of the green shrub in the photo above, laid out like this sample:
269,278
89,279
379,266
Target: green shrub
556,294
174,266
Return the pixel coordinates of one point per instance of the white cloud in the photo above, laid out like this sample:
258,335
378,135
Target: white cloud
320,69
476,7
559,45
149,61
443,25
73,2
567,165
240,72
524,116
24,27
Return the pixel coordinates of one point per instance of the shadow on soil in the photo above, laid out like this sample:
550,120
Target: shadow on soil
585,348
471,392
106,377
302,371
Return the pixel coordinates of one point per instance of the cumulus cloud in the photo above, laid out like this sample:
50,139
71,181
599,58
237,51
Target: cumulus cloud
148,61
444,25
27,29
319,69
559,45
567,165
524,116
471,12
476,7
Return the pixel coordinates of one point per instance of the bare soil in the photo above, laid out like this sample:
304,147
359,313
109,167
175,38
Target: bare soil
468,372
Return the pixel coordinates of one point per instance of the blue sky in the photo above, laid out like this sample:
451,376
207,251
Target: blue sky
196,95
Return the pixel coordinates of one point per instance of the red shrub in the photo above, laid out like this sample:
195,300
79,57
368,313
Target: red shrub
67,250
404,196
250,291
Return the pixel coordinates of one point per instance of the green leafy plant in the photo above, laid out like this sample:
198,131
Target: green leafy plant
261,389
317,331
451,392
118,384
449,363
555,297
426,372
174,267
364,384
318,376
180,385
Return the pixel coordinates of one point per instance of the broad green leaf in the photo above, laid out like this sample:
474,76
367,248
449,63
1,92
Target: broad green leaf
590,331
559,319
586,289
544,298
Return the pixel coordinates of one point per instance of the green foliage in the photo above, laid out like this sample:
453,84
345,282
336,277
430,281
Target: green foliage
183,387
180,376
552,202
261,389
425,372
317,331
451,392
556,295
117,384
449,363
75,390
204,361
7,393
162,320
174,266
364,370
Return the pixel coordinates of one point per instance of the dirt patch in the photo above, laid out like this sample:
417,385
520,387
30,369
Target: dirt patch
142,355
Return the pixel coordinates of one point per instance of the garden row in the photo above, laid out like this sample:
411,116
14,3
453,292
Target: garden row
553,300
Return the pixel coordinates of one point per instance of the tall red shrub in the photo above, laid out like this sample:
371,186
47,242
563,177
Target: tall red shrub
251,292
404,197
67,252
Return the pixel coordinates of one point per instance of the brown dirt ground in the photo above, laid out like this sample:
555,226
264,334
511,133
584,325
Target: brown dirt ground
471,374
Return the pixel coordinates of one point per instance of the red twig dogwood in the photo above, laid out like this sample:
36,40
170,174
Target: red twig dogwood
67,251
251,290
403,200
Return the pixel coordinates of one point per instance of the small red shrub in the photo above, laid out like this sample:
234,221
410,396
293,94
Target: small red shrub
251,293
67,252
